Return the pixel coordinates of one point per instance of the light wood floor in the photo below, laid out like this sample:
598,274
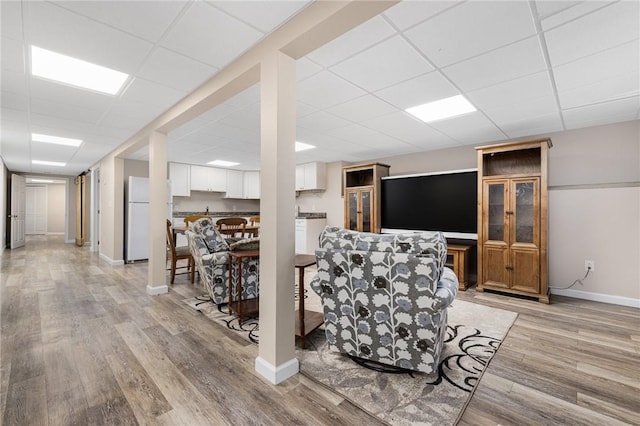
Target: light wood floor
82,343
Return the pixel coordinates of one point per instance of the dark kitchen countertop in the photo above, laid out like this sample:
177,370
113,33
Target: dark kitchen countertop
216,214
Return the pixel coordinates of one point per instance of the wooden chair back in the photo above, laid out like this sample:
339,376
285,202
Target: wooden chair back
232,226
174,255
190,219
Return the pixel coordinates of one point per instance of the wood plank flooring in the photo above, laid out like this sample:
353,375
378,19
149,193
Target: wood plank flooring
82,343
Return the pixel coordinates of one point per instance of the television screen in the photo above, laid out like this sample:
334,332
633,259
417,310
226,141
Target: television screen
432,202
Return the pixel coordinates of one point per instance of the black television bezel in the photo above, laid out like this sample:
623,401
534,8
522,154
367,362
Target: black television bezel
448,233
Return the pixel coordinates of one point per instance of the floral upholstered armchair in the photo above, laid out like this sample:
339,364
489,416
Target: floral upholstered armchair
210,250
385,297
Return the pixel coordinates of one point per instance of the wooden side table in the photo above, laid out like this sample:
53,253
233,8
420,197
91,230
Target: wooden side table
306,321
247,307
457,259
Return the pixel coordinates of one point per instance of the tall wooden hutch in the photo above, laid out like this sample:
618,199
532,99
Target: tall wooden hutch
512,218
362,196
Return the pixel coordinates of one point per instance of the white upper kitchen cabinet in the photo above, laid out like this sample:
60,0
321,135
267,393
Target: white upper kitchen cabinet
251,187
235,184
311,177
180,176
208,179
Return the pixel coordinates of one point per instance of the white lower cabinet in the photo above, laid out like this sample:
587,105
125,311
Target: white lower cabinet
307,234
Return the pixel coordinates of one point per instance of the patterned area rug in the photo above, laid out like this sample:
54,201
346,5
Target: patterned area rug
474,334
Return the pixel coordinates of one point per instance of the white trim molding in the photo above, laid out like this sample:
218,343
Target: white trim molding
154,291
277,374
598,297
109,260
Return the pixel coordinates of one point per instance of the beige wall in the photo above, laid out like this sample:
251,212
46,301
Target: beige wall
135,168
56,208
594,205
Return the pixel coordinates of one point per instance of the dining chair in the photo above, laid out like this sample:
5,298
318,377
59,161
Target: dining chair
232,226
253,227
190,219
175,254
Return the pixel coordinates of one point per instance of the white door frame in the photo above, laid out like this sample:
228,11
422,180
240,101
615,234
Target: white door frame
95,209
18,207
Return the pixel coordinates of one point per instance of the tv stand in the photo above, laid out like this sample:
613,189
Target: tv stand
458,260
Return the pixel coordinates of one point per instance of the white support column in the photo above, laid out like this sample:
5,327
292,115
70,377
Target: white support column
156,283
276,360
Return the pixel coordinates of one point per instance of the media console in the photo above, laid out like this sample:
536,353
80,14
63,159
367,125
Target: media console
458,260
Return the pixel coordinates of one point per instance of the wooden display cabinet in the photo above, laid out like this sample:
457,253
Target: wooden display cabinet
512,218
362,196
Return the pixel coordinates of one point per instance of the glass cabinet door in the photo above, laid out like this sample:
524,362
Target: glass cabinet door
495,194
352,209
366,207
525,208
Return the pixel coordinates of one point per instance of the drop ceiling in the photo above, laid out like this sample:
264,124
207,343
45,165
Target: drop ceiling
529,67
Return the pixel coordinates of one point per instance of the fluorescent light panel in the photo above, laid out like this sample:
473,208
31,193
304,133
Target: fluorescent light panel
223,163
37,137
75,72
48,163
442,109
301,146
41,181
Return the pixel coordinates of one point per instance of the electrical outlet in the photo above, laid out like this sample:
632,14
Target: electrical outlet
589,265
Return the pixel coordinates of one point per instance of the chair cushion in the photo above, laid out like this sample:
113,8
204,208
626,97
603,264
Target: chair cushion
214,241
182,251
246,244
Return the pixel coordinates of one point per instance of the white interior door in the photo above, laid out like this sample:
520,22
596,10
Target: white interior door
18,207
36,210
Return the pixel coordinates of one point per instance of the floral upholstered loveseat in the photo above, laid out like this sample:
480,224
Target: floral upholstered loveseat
210,250
385,296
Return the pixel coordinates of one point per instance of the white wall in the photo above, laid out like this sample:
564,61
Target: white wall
3,204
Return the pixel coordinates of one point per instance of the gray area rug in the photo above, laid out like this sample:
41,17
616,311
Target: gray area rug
473,337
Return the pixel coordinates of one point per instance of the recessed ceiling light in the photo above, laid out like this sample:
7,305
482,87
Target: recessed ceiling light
37,137
301,146
41,181
75,72
223,163
48,163
441,109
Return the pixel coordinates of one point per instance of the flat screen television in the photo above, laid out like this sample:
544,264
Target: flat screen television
443,201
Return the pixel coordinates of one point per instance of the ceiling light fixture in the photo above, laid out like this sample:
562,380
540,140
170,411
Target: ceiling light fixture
301,146
37,137
75,72
223,163
441,109
48,163
41,181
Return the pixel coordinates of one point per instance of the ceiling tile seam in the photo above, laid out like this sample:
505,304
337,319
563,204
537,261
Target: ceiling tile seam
547,60
412,26
135,75
237,18
601,102
26,58
606,49
575,18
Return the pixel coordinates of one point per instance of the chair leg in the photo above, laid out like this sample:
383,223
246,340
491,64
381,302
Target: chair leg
173,270
192,266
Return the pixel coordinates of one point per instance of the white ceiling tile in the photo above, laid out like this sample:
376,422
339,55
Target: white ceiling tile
404,127
547,8
352,42
174,70
605,28
12,131
306,68
533,126
605,76
68,95
362,108
469,128
14,82
365,136
408,13
604,113
507,63
209,35
535,98
321,122
13,55
65,111
245,118
264,15
14,101
152,93
325,89
304,109
11,14
571,11
145,19
402,62
425,88
54,28
472,28
247,97
131,115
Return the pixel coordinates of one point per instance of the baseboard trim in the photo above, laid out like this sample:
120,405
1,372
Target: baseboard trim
70,241
111,261
154,291
277,374
598,297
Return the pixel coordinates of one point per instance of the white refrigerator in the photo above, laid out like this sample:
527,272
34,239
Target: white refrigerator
136,225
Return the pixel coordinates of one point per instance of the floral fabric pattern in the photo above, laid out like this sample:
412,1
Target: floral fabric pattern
213,266
385,297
